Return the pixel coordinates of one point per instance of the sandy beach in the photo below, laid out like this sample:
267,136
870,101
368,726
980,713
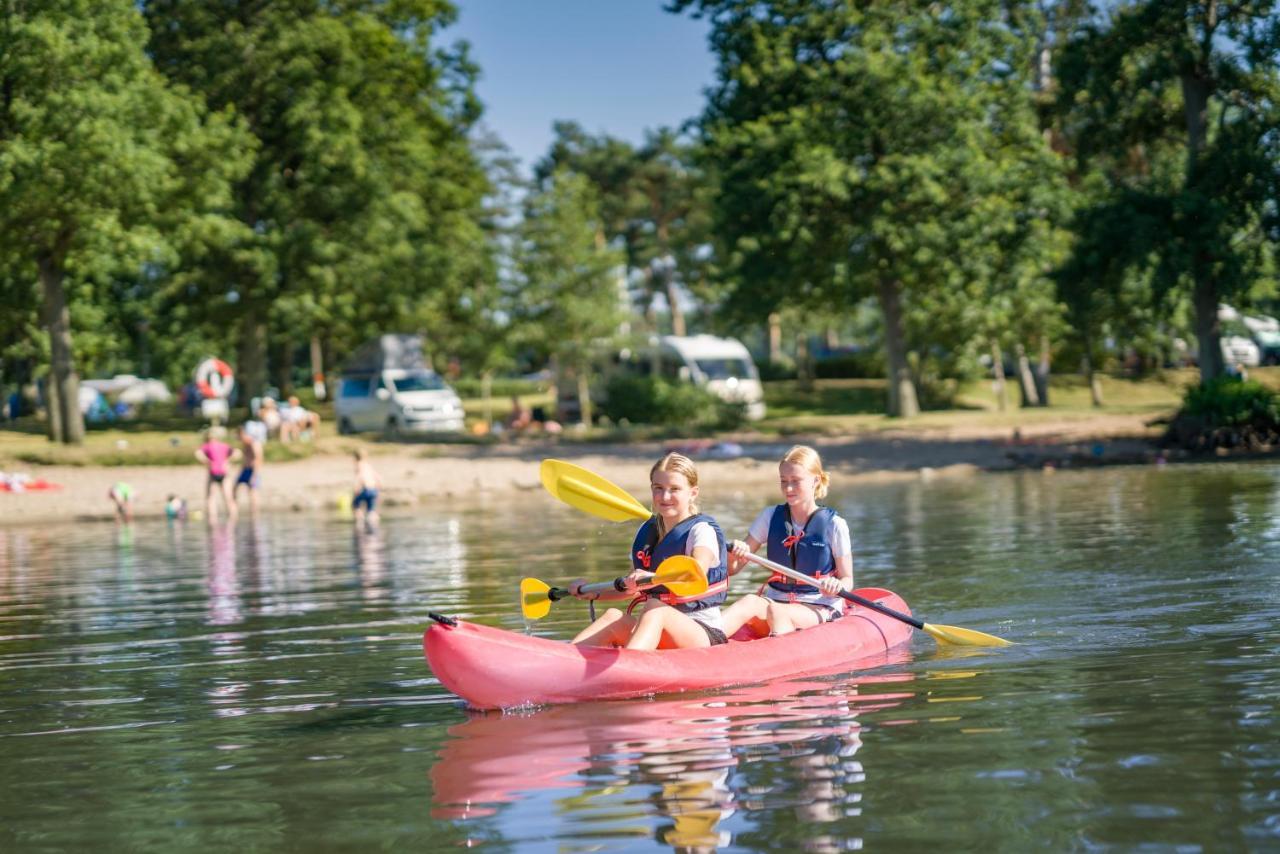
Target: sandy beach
418,473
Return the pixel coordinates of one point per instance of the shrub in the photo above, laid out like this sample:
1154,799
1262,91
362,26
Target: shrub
860,364
653,400
472,388
1228,402
1226,413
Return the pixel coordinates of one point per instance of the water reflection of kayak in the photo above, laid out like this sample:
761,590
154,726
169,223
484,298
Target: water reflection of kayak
493,668
679,743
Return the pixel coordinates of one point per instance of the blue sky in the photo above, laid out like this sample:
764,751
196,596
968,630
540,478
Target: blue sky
614,66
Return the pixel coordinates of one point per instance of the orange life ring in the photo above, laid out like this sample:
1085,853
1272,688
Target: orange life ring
214,379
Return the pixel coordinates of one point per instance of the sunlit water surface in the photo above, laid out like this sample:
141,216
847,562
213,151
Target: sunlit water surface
262,686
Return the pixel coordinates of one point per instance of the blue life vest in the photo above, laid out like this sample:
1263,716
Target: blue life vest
812,553
648,553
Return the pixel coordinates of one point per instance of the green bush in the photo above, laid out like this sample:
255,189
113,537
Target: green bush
1228,402
864,364
652,400
471,388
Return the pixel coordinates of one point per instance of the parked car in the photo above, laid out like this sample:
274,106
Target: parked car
387,385
1265,332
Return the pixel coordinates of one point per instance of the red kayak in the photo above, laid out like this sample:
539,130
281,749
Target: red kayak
498,669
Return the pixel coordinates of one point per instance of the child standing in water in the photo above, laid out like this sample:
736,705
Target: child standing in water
802,535
676,528
250,466
121,494
216,454
366,491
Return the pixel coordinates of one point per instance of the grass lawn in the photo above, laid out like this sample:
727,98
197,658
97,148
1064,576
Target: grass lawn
831,407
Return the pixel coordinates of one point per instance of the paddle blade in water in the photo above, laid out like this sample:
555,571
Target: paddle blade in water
589,492
682,575
964,637
534,601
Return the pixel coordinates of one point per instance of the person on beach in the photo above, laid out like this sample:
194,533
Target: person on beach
216,454
250,466
121,495
805,536
364,503
676,528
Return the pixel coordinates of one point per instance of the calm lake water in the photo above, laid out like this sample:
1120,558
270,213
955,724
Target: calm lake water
262,686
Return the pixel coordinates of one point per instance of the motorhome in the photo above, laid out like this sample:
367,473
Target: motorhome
388,385
723,366
1266,334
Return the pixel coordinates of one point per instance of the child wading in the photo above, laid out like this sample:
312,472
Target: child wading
801,535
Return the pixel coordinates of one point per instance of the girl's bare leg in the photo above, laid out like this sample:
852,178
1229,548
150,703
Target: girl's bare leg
787,617
751,610
612,628
667,628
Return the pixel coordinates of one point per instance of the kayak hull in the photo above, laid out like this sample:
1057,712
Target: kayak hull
493,668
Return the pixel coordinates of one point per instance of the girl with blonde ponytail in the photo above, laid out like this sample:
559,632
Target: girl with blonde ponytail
676,528
801,534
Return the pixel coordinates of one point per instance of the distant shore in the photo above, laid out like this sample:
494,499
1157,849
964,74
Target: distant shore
418,473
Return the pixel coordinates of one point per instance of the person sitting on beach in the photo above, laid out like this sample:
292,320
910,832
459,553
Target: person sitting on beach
802,535
297,422
364,504
121,495
520,417
676,528
216,454
250,466
269,415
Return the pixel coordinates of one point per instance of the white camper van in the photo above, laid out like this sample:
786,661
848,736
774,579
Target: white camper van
386,385
723,366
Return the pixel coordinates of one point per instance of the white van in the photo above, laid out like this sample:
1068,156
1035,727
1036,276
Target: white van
1236,340
387,386
723,366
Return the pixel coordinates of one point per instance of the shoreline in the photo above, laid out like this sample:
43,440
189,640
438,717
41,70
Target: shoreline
419,474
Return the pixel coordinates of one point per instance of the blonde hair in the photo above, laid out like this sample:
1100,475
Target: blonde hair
676,464
215,431
808,459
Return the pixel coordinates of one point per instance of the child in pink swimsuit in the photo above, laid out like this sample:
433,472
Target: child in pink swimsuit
216,454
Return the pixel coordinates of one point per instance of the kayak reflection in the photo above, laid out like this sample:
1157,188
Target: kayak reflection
669,769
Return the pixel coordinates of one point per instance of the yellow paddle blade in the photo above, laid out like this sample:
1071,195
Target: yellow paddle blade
682,575
964,637
590,492
534,601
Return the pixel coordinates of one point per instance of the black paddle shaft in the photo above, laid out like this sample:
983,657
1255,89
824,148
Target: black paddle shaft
876,606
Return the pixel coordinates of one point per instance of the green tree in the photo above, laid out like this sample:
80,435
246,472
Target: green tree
1174,103
100,162
861,149
564,299
365,201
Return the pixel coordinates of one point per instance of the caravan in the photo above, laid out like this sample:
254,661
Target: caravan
387,385
723,366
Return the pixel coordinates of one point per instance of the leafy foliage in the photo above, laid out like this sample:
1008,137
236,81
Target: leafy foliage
657,400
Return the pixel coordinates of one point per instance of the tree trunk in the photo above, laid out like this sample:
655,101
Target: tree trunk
1043,370
486,397
804,365
251,355
775,337
317,368
281,367
1026,382
903,402
1196,88
997,365
584,396
68,427
673,301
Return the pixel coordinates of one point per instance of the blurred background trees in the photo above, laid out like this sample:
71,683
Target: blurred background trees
933,191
